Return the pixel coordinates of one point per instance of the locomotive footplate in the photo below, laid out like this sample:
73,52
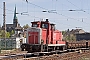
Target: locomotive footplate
33,47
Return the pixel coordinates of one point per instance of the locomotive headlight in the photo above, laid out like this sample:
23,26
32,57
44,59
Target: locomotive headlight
24,49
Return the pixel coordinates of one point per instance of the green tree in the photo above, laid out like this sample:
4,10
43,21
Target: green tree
2,34
12,32
7,35
67,36
26,26
63,32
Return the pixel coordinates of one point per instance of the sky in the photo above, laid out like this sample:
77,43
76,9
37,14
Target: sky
58,12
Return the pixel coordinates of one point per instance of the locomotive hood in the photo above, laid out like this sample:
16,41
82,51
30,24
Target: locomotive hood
34,35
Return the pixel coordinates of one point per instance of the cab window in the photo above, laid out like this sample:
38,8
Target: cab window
34,25
45,26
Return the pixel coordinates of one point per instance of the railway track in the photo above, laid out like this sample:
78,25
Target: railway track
64,56
58,55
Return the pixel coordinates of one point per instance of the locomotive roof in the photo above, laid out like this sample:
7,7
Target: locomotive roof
52,24
42,21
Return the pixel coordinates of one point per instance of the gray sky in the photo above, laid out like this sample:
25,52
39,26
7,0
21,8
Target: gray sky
61,16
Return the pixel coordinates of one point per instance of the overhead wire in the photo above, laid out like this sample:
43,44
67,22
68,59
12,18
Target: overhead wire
45,9
7,9
78,7
48,9
24,7
22,13
54,2
81,9
35,5
39,7
74,5
56,13
88,6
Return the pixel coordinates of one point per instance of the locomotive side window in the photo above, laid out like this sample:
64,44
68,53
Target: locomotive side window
52,26
44,26
34,25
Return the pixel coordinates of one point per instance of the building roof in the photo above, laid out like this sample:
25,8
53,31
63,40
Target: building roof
77,31
83,33
9,25
15,17
18,28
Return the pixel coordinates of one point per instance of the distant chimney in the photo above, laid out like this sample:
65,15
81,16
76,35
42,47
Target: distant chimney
47,20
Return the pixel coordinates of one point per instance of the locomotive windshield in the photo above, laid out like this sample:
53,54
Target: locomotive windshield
44,26
35,25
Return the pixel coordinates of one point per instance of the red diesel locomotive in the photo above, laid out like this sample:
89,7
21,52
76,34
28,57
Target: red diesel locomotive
43,36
